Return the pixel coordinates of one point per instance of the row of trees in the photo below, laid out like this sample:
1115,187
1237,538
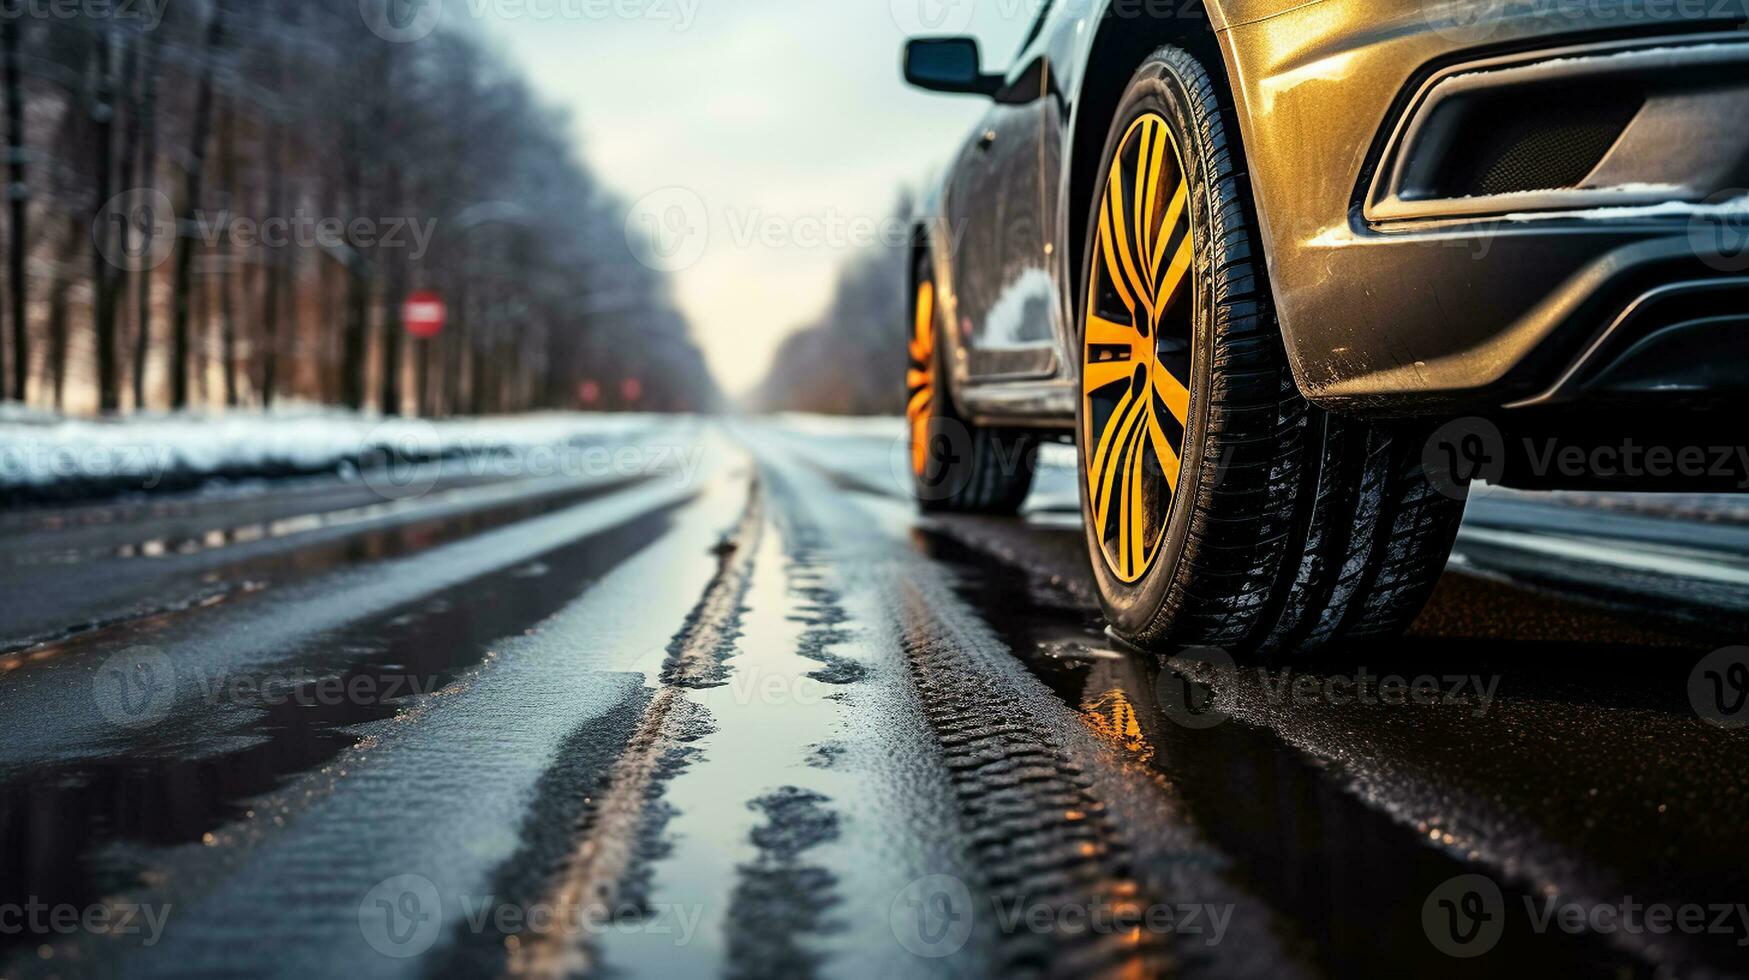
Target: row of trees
851,361
228,205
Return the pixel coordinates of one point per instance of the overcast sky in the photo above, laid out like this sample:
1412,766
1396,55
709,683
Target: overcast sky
783,122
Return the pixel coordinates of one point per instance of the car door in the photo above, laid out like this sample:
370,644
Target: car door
1005,292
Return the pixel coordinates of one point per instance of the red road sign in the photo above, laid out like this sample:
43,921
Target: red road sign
424,314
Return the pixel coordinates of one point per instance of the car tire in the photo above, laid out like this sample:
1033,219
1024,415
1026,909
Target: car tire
1274,526
957,466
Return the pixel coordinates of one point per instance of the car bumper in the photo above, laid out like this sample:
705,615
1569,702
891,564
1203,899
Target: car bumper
1418,265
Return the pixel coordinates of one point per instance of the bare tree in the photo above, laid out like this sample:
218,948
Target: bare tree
191,199
18,195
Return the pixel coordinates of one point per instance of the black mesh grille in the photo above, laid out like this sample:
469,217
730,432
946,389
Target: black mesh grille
1547,146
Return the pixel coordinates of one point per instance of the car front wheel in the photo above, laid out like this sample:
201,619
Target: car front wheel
1220,507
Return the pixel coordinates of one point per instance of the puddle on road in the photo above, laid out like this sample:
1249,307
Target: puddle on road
1349,878
56,825
251,576
750,824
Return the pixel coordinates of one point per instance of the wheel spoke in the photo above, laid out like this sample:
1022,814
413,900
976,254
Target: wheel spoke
1169,462
1122,437
1174,215
1148,189
1176,271
1123,245
1136,517
1103,332
1102,373
1174,394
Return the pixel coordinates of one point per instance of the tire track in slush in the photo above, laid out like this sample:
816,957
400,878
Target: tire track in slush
1040,833
599,869
1015,751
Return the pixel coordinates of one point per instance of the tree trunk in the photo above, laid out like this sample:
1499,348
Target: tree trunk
392,328
202,123
270,302
114,301
58,310
145,114
228,260
422,378
354,352
19,199
103,163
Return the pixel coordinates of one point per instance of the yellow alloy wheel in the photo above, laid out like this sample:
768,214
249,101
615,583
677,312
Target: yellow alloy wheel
920,379
1136,348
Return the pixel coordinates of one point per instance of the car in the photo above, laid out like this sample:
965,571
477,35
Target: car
1291,275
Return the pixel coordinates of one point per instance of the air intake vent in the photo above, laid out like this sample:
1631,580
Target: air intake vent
1550,144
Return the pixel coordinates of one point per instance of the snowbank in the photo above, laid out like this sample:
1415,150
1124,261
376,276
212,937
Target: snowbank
49,458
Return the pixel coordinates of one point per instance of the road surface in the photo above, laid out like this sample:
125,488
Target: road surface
728,706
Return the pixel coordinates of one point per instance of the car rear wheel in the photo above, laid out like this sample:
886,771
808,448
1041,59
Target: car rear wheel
956,465
1220,507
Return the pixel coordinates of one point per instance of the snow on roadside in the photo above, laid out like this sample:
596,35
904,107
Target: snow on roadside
47,457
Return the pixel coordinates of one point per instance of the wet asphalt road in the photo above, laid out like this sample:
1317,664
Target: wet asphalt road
756,718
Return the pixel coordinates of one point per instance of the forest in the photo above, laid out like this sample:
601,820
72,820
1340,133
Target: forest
226,203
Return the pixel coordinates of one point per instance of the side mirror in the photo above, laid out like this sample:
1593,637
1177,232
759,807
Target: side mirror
949,65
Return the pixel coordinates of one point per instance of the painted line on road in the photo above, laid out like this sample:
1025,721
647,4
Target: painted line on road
1614,554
